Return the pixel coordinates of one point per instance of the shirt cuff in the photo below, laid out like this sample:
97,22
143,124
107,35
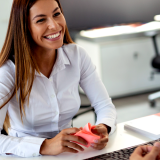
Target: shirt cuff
30,147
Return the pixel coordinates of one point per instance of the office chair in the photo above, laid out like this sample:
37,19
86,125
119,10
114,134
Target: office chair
156,65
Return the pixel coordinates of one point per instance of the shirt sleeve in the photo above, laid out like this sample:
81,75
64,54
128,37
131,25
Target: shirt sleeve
96,92
23,147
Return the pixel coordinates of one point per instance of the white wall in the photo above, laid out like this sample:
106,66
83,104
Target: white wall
5,7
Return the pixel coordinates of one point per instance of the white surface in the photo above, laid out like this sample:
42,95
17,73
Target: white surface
5,7
120,139
147,126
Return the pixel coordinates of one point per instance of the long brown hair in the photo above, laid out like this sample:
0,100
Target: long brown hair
18,45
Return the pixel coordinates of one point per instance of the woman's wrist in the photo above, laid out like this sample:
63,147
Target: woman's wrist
108,128
43,147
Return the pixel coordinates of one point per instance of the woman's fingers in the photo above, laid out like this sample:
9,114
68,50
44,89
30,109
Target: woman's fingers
101,140
100,129
76,139
62,142
67,149
70,131
100,144
72,145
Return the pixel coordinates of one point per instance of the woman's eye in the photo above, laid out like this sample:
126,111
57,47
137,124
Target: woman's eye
57,14
41,20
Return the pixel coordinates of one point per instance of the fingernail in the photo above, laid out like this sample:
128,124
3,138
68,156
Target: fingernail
96,141
92,144
157,144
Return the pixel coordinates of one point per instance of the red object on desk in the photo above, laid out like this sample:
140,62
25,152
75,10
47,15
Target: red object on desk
87,134
157,114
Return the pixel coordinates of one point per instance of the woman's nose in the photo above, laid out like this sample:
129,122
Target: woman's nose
52,24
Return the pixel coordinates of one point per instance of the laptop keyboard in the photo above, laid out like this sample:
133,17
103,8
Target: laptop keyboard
122,154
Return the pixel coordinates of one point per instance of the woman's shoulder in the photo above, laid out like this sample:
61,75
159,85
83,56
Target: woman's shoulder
8,68
7,81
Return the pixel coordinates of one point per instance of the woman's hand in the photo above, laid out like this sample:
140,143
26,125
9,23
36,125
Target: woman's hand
146,152
100,130
62,142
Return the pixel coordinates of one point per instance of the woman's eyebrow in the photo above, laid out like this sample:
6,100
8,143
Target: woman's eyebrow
42,15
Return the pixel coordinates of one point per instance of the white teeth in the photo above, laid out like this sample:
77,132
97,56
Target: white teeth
53,36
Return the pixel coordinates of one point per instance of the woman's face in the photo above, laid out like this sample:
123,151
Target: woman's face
47,24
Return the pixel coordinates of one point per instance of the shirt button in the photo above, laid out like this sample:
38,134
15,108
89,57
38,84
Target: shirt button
52,96
50,79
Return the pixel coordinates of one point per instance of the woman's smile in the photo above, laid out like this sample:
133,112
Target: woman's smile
53,36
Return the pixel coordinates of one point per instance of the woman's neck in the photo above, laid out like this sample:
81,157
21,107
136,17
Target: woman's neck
45,60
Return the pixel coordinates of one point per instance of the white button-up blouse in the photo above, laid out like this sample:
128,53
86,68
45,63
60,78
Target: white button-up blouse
53,101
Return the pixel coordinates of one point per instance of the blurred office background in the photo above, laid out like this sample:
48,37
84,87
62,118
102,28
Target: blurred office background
123,57
86,14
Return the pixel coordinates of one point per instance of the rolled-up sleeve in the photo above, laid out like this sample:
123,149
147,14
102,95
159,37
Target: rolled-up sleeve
97,93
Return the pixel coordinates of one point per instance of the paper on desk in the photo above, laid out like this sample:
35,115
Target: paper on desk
87,134
148,126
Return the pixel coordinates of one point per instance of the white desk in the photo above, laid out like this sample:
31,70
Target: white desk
120,139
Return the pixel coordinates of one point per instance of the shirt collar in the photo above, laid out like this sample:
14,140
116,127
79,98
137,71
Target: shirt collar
60,63
62,56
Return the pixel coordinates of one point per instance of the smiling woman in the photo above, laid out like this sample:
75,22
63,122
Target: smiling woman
48,28
40,70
